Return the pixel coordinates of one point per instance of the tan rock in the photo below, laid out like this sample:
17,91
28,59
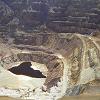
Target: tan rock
71,59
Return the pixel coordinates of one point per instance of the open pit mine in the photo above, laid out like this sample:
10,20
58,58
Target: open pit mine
51,57
61,64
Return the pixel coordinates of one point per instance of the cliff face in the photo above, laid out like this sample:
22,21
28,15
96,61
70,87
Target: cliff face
63,16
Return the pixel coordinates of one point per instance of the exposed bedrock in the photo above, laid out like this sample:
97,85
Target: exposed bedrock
73,58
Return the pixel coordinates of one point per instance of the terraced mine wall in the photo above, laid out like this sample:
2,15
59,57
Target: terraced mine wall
59,52
71,16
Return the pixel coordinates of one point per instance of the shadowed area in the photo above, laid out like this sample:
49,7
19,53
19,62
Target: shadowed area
25,69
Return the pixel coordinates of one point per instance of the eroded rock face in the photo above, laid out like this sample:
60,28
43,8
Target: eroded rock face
71,59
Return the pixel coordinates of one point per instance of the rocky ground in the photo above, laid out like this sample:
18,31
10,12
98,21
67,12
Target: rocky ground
71,62
56,48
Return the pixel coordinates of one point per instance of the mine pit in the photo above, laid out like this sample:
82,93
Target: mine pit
38,74
49,49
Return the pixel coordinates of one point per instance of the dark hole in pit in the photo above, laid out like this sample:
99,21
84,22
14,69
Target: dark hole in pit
25,69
